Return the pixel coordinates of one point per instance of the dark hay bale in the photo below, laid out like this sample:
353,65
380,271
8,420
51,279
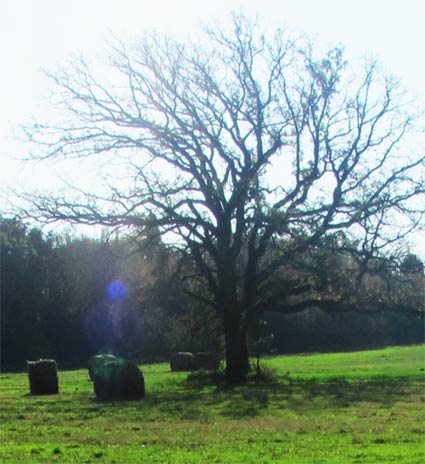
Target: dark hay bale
182,361
99,360
207,361
118,379
43,377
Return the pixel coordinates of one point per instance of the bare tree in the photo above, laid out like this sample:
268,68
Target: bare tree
233,144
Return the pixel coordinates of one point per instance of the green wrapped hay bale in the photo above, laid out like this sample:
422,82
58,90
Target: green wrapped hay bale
118,379
43,377
207,361
98,361
182,361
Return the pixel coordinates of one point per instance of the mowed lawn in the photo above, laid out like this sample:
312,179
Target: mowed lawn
362,407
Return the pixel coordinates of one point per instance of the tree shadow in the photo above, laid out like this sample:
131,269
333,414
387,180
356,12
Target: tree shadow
204,396
295,393
342,392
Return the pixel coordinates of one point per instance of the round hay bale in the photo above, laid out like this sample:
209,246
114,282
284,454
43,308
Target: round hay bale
118,379
207,361
182,361
98,361
43,377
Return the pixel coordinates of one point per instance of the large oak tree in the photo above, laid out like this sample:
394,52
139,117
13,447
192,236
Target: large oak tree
232,143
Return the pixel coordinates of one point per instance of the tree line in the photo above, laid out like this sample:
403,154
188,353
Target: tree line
69,298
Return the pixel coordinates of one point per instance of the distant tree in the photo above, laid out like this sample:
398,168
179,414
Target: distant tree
411,264
80,270
410,282
234,144
162,318
24,293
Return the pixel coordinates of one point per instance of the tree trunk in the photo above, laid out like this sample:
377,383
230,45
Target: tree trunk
237,360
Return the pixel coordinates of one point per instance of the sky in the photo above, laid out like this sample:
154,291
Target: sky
42,34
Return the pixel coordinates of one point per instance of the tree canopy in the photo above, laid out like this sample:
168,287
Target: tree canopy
235,146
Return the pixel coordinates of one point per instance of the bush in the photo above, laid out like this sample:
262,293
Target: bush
207,361
266,374
43,377
118,379
98,361
183,361
203,378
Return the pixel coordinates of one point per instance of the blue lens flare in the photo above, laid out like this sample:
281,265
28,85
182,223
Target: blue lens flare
116,290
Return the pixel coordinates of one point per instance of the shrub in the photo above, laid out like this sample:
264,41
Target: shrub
118,379
183,361
43,377
266,374
98,361
203,378
207,361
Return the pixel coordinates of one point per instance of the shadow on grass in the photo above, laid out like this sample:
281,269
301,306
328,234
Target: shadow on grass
341,392
206,395
292,393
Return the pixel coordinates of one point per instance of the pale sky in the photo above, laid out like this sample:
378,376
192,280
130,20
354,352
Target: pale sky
37,34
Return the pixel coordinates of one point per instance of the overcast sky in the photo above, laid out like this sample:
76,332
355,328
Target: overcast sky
37,34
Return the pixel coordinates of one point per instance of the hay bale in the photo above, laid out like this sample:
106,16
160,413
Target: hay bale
43,377
118,379
98,361
182,361
207,361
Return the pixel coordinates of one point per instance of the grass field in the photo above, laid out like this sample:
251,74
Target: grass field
363,407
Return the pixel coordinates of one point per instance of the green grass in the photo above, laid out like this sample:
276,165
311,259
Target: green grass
364,407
